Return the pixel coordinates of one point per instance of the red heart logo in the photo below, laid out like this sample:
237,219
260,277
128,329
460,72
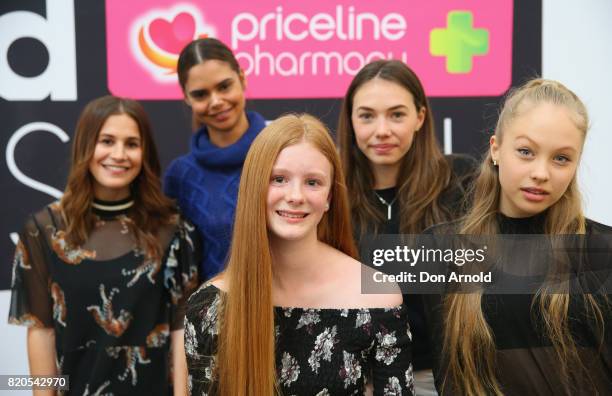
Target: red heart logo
173,36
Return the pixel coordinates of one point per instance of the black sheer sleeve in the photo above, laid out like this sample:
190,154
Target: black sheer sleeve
31,302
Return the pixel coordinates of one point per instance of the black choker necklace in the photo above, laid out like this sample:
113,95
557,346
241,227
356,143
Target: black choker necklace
112,208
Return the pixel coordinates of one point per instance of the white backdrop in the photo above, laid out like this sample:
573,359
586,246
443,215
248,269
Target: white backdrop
576,51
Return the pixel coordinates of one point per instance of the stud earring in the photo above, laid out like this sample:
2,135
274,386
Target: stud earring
494,162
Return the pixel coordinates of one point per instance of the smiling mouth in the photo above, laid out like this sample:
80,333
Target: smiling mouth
291,215
220,113
115,167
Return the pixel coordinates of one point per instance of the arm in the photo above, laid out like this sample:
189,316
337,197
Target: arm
369,390
179,363
186,281
41,355
31,304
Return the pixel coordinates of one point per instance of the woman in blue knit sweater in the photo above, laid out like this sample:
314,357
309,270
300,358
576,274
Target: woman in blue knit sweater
205,181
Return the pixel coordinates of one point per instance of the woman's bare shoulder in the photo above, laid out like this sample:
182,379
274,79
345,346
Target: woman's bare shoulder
357,281
219,282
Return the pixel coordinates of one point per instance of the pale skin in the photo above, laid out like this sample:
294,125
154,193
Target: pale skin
41,355
307,272
312,274
179,362
537,158
385,120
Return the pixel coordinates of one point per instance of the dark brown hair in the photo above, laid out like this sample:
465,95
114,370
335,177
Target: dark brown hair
151,207
200,51
424,173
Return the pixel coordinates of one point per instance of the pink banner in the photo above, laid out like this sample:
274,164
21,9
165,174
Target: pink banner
312,49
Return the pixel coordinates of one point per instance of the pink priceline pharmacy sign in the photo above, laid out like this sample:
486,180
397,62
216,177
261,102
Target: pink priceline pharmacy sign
312,49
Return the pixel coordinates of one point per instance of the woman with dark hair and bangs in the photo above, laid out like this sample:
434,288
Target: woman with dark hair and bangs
101,277
398,179
287,316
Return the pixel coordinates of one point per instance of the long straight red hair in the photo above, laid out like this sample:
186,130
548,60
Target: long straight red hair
245,361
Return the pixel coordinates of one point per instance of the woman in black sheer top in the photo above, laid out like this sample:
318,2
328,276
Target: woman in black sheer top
100,277
547,341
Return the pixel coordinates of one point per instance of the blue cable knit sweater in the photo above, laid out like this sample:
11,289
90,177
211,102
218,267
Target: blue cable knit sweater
205,186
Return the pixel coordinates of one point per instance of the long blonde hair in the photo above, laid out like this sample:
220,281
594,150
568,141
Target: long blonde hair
245,359
469,347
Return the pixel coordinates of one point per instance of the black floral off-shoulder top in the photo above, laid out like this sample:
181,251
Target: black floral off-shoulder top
318,351
111,306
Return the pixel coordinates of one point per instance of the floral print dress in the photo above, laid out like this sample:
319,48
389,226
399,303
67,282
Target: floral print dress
318,351
111,307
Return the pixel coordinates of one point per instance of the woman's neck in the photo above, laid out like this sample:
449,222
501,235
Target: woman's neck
385,176
295,263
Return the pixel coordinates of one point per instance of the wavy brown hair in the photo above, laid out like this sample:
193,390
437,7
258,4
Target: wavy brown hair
151,209
469,347
424,172
245,363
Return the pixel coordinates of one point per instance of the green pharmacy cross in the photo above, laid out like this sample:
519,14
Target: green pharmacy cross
459,42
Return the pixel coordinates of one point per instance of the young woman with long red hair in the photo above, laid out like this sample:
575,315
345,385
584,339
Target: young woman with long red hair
550,342
287,316
100,277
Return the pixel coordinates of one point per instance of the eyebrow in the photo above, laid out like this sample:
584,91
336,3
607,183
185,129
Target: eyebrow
535,143
202,91
227,80
197,91
309,173
396,107
114,136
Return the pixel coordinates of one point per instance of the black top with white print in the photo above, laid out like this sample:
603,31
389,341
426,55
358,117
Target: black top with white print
318,351
111,305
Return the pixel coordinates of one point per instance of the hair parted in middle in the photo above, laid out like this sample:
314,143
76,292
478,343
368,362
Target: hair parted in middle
245,363
424,172
151,207
200,51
